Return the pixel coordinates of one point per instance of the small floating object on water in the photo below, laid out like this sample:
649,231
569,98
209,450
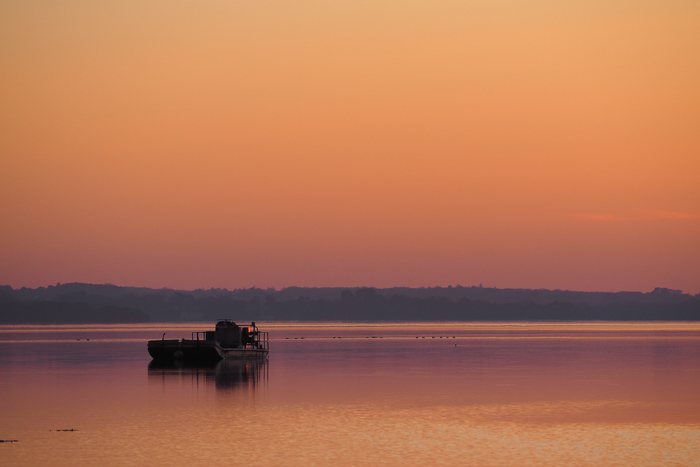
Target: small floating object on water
72,429
9,441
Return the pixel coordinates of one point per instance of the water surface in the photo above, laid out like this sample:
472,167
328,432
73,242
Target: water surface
352,394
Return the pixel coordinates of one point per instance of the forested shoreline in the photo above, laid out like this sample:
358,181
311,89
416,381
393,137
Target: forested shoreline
105,303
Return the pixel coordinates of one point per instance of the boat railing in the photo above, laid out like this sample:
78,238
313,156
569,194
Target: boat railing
262,340
199,335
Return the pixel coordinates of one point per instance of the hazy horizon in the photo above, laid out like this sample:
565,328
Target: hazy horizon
254,286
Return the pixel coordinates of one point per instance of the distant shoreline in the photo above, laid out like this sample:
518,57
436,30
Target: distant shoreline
93,304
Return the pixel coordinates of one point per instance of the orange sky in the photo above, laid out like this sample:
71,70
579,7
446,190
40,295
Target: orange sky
230,144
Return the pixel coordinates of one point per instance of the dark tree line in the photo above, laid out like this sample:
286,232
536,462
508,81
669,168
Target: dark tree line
87,303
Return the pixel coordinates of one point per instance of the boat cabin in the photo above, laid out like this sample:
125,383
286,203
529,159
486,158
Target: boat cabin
230,335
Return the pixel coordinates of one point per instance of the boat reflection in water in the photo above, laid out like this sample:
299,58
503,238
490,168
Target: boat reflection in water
227,374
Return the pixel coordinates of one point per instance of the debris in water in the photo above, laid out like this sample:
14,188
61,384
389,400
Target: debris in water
9,441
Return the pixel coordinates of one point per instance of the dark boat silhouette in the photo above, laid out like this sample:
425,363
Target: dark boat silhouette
227,340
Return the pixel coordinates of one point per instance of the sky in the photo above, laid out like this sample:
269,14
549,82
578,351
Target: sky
235,144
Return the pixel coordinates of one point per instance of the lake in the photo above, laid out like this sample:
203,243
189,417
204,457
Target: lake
357,394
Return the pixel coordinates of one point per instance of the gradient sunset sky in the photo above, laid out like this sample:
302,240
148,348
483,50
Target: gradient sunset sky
183,144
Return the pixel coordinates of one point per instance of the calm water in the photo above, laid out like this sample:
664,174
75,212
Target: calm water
357,394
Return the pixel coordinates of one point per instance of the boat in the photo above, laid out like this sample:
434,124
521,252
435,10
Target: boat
227,340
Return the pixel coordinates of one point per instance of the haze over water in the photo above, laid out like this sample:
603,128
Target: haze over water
358,394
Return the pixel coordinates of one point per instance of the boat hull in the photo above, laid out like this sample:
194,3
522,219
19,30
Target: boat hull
199,350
